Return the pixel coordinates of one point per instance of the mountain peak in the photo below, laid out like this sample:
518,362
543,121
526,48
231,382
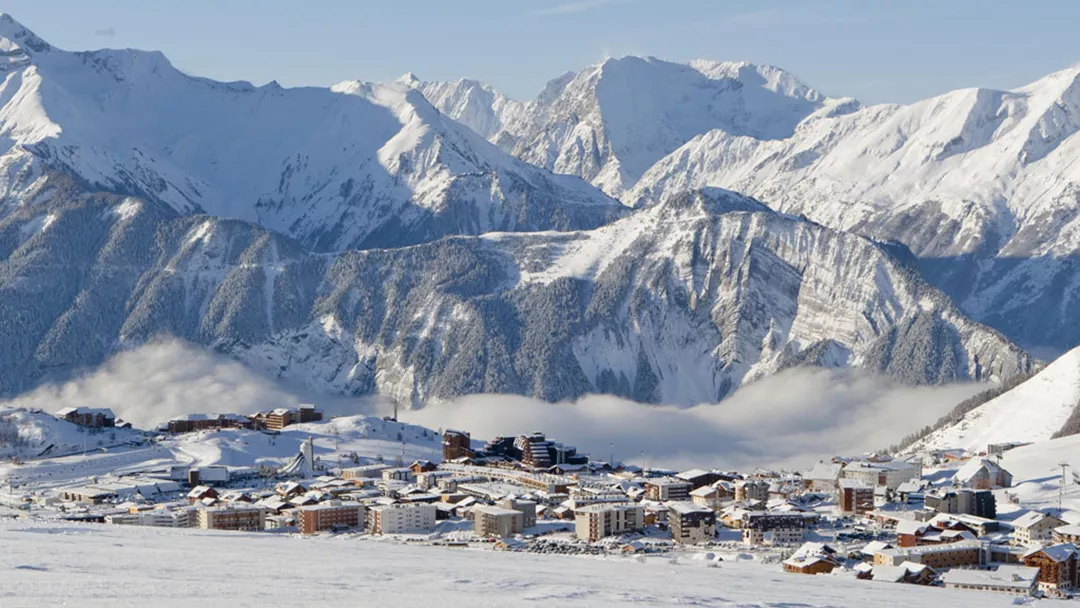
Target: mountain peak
16,39
409,79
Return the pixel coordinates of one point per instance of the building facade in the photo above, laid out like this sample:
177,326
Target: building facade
497,522
231,517
691,524
330,516
413,518
594,522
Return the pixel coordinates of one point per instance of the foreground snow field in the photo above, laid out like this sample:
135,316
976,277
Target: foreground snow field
48,564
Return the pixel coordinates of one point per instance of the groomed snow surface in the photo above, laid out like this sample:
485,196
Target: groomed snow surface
97,565
1033,411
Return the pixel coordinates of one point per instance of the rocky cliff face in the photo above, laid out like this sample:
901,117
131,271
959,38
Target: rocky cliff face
679,303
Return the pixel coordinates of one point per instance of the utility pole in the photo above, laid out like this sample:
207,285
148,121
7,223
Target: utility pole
612,461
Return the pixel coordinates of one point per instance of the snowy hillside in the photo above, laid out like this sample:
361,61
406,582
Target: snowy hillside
1033,411
612,121
1037,477
356,165
32,433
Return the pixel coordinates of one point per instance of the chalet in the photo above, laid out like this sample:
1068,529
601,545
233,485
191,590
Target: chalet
93,417
456,444
982,474
290,489
823,477
751,489
1007,578
1057,566
708,497
1035,529
906,572
421,466
909,532
812,558
199,493
1067,534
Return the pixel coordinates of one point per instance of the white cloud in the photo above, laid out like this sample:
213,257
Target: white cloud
569,8
791,419
160,380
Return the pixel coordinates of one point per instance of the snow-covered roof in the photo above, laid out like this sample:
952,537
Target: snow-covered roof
1029,519
972,467
666,481
687,508
1070,530
874,546
829,471
704,491
910,526
1058,553
691,474
1007,576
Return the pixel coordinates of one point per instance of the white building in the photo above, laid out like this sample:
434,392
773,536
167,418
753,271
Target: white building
889,473
398,474
412,518
1008,578
497,522
1034,529
606,519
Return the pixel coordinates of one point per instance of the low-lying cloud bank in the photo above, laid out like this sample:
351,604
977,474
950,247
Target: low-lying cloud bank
168,378
791,419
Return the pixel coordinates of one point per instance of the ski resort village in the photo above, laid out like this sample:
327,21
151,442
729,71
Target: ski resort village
1001,518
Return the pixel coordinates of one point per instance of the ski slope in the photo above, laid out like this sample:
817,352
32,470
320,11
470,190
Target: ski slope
46,564
1033,411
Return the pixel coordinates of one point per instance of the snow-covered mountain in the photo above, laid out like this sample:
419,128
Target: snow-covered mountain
681,302
612,121
980,184
356,165
1031,412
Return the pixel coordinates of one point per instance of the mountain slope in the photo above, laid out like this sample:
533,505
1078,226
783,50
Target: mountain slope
982,185
1033,411
357,165
610,122
679,303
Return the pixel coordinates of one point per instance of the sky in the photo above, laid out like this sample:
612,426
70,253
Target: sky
874,51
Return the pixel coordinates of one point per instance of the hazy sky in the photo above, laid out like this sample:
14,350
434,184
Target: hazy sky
875,51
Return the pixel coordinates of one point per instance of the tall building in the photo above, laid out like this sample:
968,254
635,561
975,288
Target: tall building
667,488
967,501
690,523
497,522
332,515
412,518
456,444
594,522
